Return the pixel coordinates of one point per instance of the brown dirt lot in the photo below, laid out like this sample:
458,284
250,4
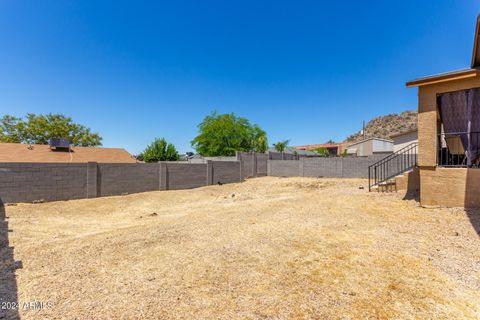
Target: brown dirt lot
267,248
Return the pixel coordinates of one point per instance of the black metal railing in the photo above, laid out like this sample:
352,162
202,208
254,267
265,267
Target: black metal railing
397,163
455,149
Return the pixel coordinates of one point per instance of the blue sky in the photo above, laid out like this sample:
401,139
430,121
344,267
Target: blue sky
307,71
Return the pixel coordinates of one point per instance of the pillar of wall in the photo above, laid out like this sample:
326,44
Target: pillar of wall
92,183
209,173
163,185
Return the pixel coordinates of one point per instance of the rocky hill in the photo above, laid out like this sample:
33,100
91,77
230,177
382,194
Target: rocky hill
386,126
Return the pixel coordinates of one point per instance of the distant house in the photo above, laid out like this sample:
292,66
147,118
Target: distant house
370,146
201,159
333,148
17,152
401,140
294,150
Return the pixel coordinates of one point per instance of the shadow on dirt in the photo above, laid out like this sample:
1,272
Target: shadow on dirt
474,216
472,198
412,195
8,266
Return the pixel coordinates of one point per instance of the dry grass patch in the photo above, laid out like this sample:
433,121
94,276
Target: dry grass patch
266,248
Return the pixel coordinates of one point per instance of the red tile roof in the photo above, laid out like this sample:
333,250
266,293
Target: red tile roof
16,152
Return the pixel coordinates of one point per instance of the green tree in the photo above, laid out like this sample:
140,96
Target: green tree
11,129
260,142
330,142
160,150
223,134
38,129
281,145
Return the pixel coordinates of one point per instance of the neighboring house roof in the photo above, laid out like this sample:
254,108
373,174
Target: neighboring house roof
16,152
293,150
362,141
403,133
459,74
321,145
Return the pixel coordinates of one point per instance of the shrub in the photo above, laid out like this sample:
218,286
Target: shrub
160,150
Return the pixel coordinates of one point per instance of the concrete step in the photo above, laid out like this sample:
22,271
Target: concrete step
387,183
399,182
385,186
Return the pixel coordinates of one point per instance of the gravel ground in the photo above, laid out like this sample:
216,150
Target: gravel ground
268,248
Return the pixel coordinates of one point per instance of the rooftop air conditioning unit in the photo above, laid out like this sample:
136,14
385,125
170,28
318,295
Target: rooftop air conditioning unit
59,143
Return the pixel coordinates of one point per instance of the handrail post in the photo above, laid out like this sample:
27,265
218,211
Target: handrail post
369,188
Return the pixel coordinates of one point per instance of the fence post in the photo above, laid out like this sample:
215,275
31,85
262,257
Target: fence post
92,181
163,176
238,154
209,172
254,169
241,170
301,170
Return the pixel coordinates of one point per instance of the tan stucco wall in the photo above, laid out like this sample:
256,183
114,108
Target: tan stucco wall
453,187
409,181
428,115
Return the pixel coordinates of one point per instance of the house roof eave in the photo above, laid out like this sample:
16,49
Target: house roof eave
403,133
444,77
455,75
369,139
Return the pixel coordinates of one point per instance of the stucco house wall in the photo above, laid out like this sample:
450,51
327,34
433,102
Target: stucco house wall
403,140
370,146
453,187
382,146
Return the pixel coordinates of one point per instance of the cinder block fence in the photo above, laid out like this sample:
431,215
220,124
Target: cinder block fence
26,182
328,167
253,164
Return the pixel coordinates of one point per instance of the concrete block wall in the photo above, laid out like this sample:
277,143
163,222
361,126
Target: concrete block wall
247,161
262,163
322,167
225,172
357,167
335,167
253,164
120,178
282,156
24,182
186,175
284,168
27,182
205,159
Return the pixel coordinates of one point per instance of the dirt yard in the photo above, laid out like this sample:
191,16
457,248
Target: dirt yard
267,248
